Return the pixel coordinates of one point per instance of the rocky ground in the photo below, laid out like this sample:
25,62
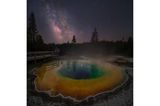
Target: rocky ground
122,96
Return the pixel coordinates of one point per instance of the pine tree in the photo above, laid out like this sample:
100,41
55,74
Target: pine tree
34,39
74,39
32,29
94,37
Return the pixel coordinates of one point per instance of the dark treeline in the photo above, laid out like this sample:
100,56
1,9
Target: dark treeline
101,48
98,48
35,43
34,39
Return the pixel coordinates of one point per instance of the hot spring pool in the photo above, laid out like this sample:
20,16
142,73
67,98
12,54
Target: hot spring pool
80,70
78,79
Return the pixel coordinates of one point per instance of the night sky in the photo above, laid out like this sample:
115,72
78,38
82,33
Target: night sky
58,20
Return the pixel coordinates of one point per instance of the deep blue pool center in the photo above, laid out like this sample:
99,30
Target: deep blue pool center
81,70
